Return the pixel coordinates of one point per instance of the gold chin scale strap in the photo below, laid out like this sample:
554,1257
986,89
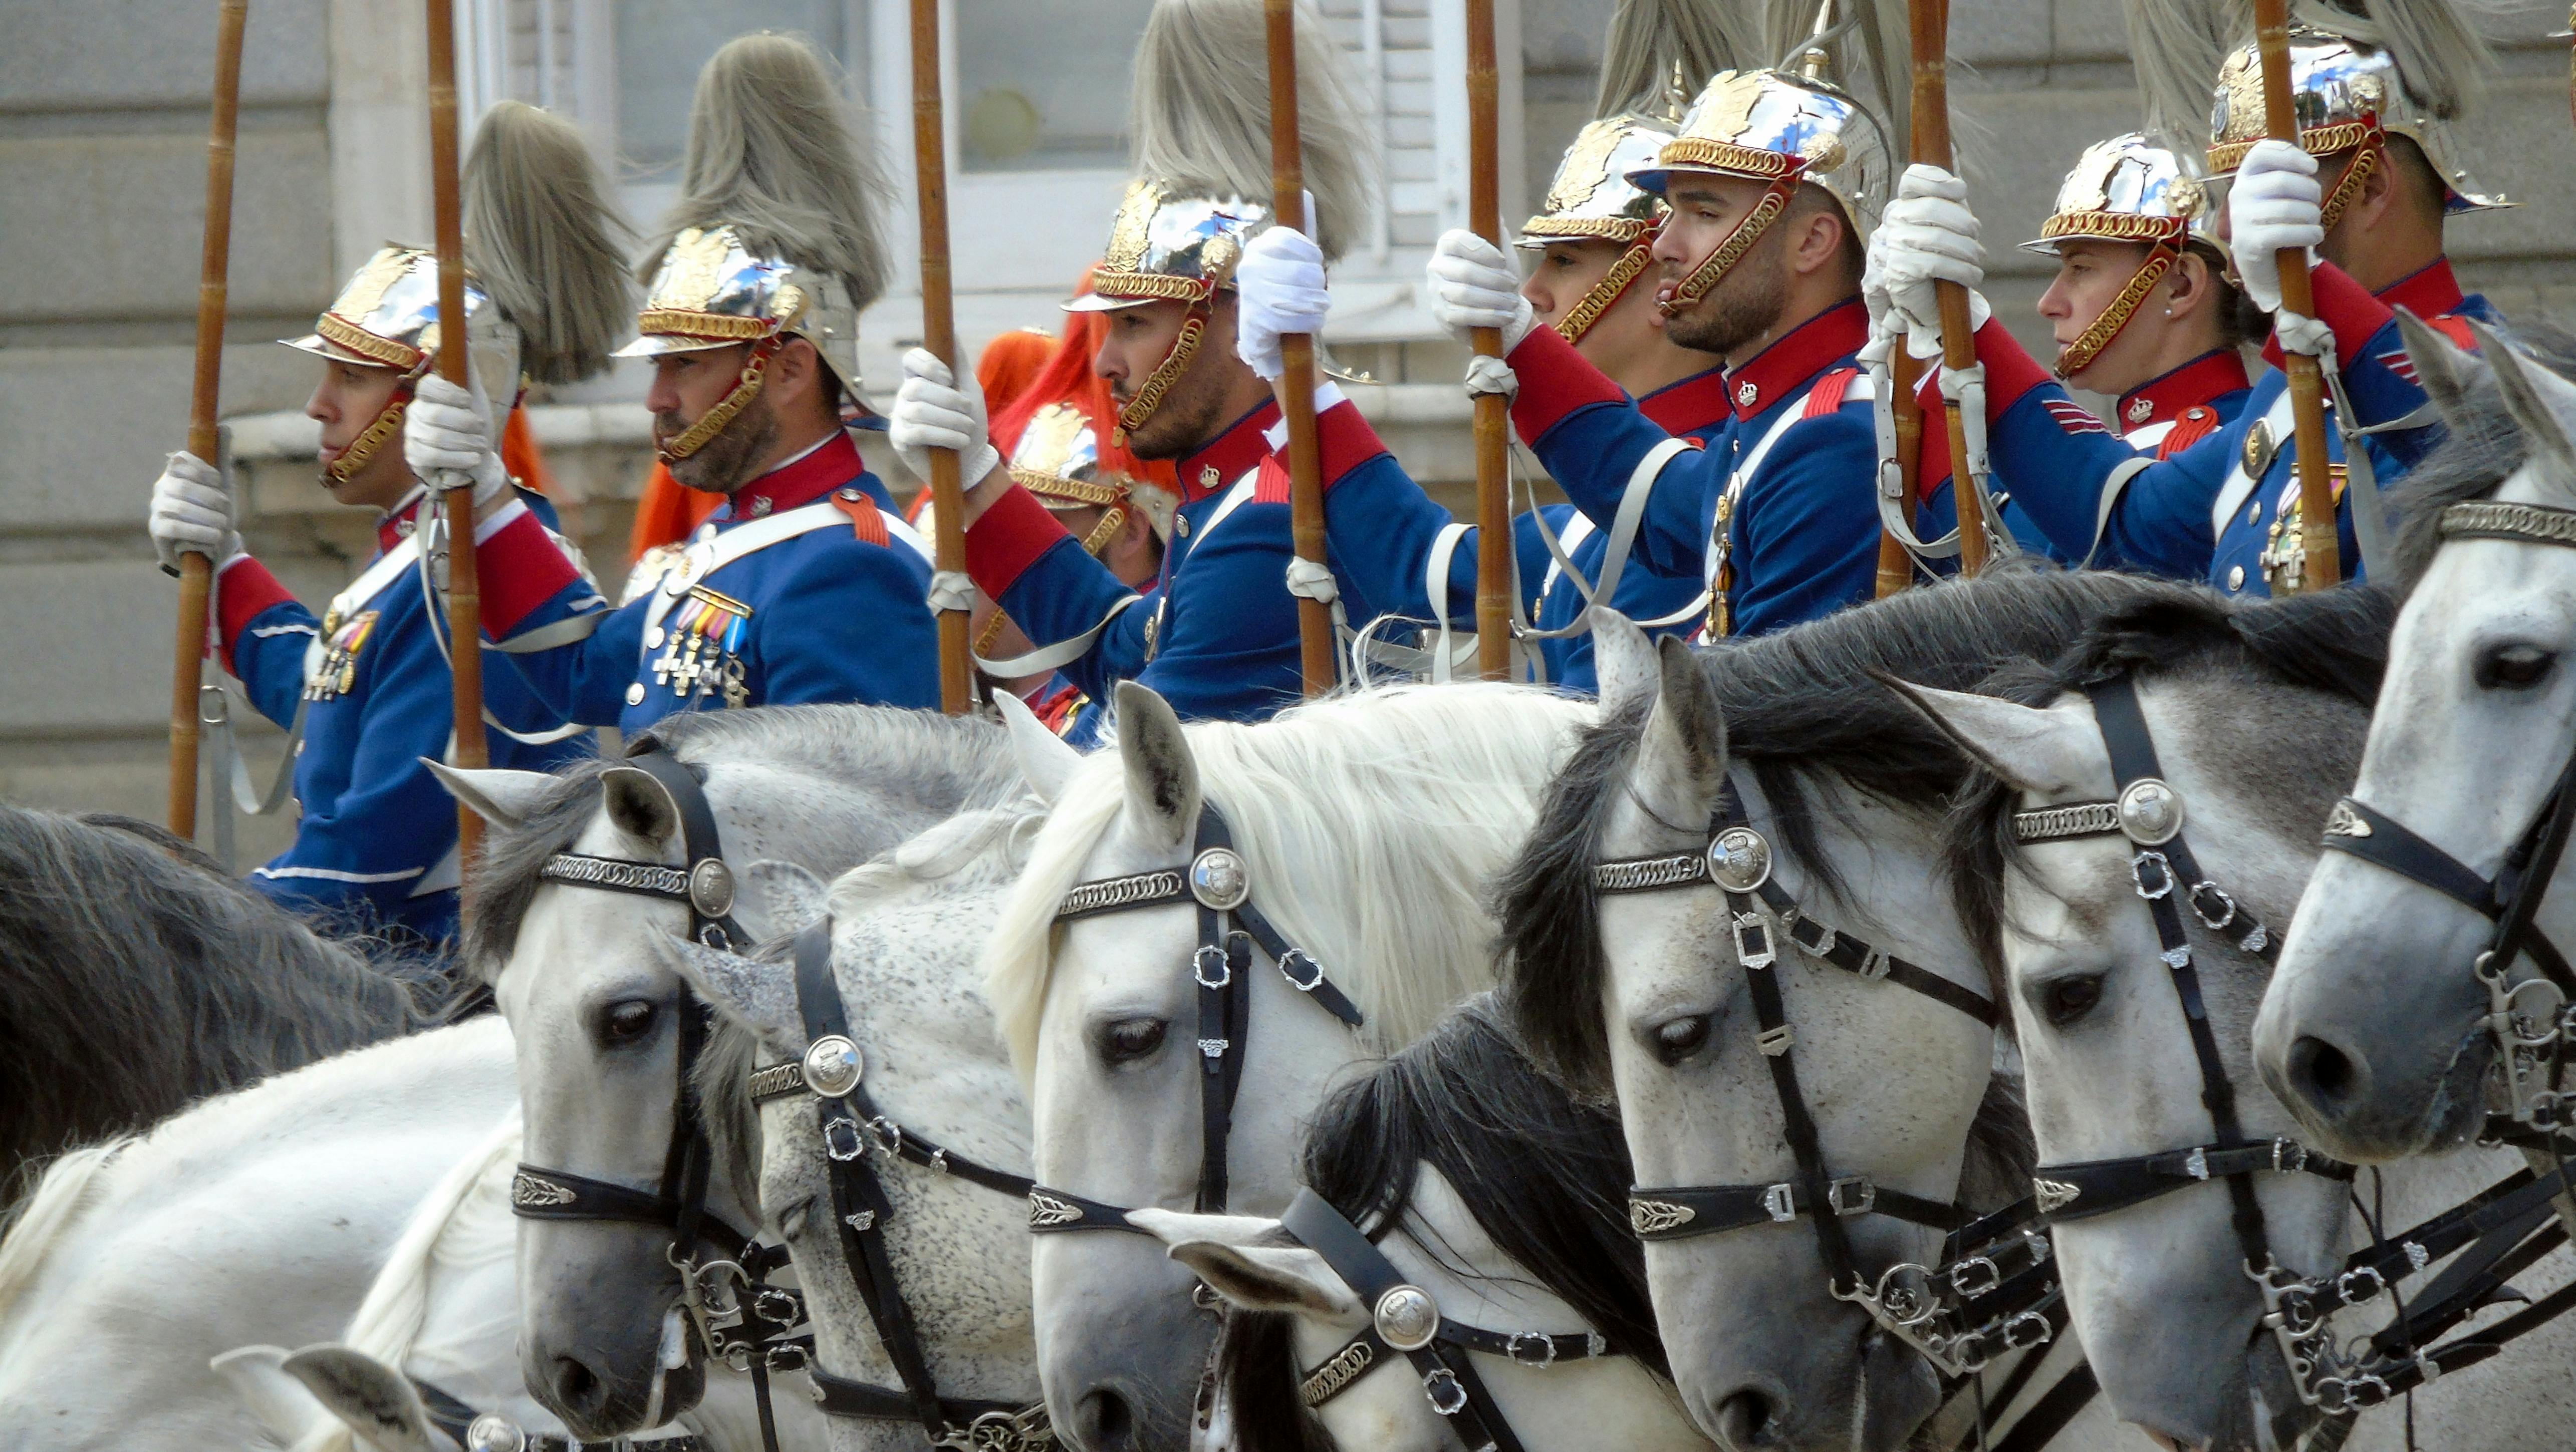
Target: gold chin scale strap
1605,294
1775,200
1149,394
364,446
2097,335
755,373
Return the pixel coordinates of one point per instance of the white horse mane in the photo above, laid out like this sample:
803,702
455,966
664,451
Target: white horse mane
996,839
1370,822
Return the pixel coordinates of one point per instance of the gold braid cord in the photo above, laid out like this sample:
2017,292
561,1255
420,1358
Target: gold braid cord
364,446
1149,395
755,373
2364,162
1731,251
1605,294
2097,335
991,632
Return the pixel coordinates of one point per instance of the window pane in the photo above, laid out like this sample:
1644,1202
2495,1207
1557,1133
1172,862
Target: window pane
1042,84
663,44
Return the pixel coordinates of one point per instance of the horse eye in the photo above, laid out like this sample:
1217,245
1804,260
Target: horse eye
2513,667
2069,999
627,1020
1678,1039
1130,1039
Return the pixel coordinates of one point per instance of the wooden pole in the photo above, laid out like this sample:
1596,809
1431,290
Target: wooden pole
939,336
1494,550
1895,563
1296,386
455,363
2323,569
196,572
1931,131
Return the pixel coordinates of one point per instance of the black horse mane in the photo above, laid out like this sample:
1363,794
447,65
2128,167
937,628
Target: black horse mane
2333,643
1801,706
2480,449
134,982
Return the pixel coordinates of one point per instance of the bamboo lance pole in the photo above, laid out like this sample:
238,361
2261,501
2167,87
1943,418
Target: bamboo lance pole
196,572
939,336
2323,569
1296,387
1895,564
455,361
1931,134
1493,411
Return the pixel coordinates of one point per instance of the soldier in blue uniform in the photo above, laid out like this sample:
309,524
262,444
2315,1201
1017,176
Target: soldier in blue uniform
2368,188
806,585
1217,635
365,688
1761,265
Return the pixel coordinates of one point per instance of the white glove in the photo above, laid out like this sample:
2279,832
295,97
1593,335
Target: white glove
192,512
448,440
931,412
1927,236
1474,285
2272,205
1279,288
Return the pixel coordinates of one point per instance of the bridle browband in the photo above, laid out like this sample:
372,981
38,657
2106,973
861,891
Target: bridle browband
747,1331
2532,1021
851,1125
2498,1232
1219,885
1405,1320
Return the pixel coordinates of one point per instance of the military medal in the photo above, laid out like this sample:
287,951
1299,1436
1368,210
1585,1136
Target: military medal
2284,560
702,641
337,675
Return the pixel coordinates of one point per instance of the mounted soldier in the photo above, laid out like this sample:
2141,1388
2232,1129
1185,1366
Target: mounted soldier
363,689
2369,188
1217,635
806,584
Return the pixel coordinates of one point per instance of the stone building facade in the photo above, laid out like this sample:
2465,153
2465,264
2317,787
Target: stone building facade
102,145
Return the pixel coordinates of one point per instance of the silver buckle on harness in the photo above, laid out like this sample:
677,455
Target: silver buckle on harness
1546,1348
2164,881
2025,1330
1976,1276
1288,963
2226,916
1860,1202
842,1140
1224,966
1820,945
1753,947
1780,1201
1448,1398
2289,1157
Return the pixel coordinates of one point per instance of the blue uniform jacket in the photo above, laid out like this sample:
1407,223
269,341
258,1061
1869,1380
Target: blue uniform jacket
375,827
1217,635
837,613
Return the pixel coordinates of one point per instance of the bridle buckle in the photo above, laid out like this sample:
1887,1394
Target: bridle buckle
1753,946
1292,960
1780,1201
1448,1398
2163,883
843,1141
1851,1195
1976,1276
1224,966
2289,1157
1816,947
1546,1349
2227,905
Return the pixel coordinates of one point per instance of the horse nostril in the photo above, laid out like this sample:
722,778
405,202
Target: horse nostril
2322,1074
1103,1422
1748,1421
577,1387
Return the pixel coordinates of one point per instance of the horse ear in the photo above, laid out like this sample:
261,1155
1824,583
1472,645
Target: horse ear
373,1398
502,798
277,1400
1681,764
1285,1277
1162,775
784,898
1044,757
2539,400
759,995
2442,366
2043,753
638,805
1624,660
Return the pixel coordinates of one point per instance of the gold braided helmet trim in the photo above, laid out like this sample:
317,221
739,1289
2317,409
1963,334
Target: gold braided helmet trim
713,291
2128,189
1591,195
387,317
2347,97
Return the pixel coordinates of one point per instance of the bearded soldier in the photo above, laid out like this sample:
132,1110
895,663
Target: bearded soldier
806,584
364,689
1217,635
2368,188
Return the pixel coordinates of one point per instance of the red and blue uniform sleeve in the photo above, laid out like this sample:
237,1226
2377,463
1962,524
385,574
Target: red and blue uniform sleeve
2378,377
848,623
265,633
1054,590
1807,532
529,583
1382,529
1591,436
1229,647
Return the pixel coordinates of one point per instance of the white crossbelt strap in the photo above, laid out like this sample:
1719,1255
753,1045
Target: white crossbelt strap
1859,391
2240,485
1065,652
1623,535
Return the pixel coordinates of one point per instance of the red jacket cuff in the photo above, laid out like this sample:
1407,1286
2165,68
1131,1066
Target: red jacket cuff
1007,538
1555,380
244,591
2010,370
518,568
2351,310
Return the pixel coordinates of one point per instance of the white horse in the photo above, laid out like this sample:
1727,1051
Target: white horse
905,932
582,976
1368,825
1651,996
2375,1028
2255,714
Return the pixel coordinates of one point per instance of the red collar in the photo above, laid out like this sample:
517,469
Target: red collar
2429,293
400,521
1694,405
2221,371
833,463
1229,456
1774,375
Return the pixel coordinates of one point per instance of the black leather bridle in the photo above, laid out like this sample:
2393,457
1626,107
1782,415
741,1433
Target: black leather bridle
1219,885
1405,1320
2532,1021
751,1332
851,1126
478,1431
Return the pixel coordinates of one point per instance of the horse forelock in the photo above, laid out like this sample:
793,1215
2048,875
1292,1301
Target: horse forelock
1371,824
2481,448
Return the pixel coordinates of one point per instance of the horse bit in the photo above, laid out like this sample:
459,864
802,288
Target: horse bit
2496,1227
